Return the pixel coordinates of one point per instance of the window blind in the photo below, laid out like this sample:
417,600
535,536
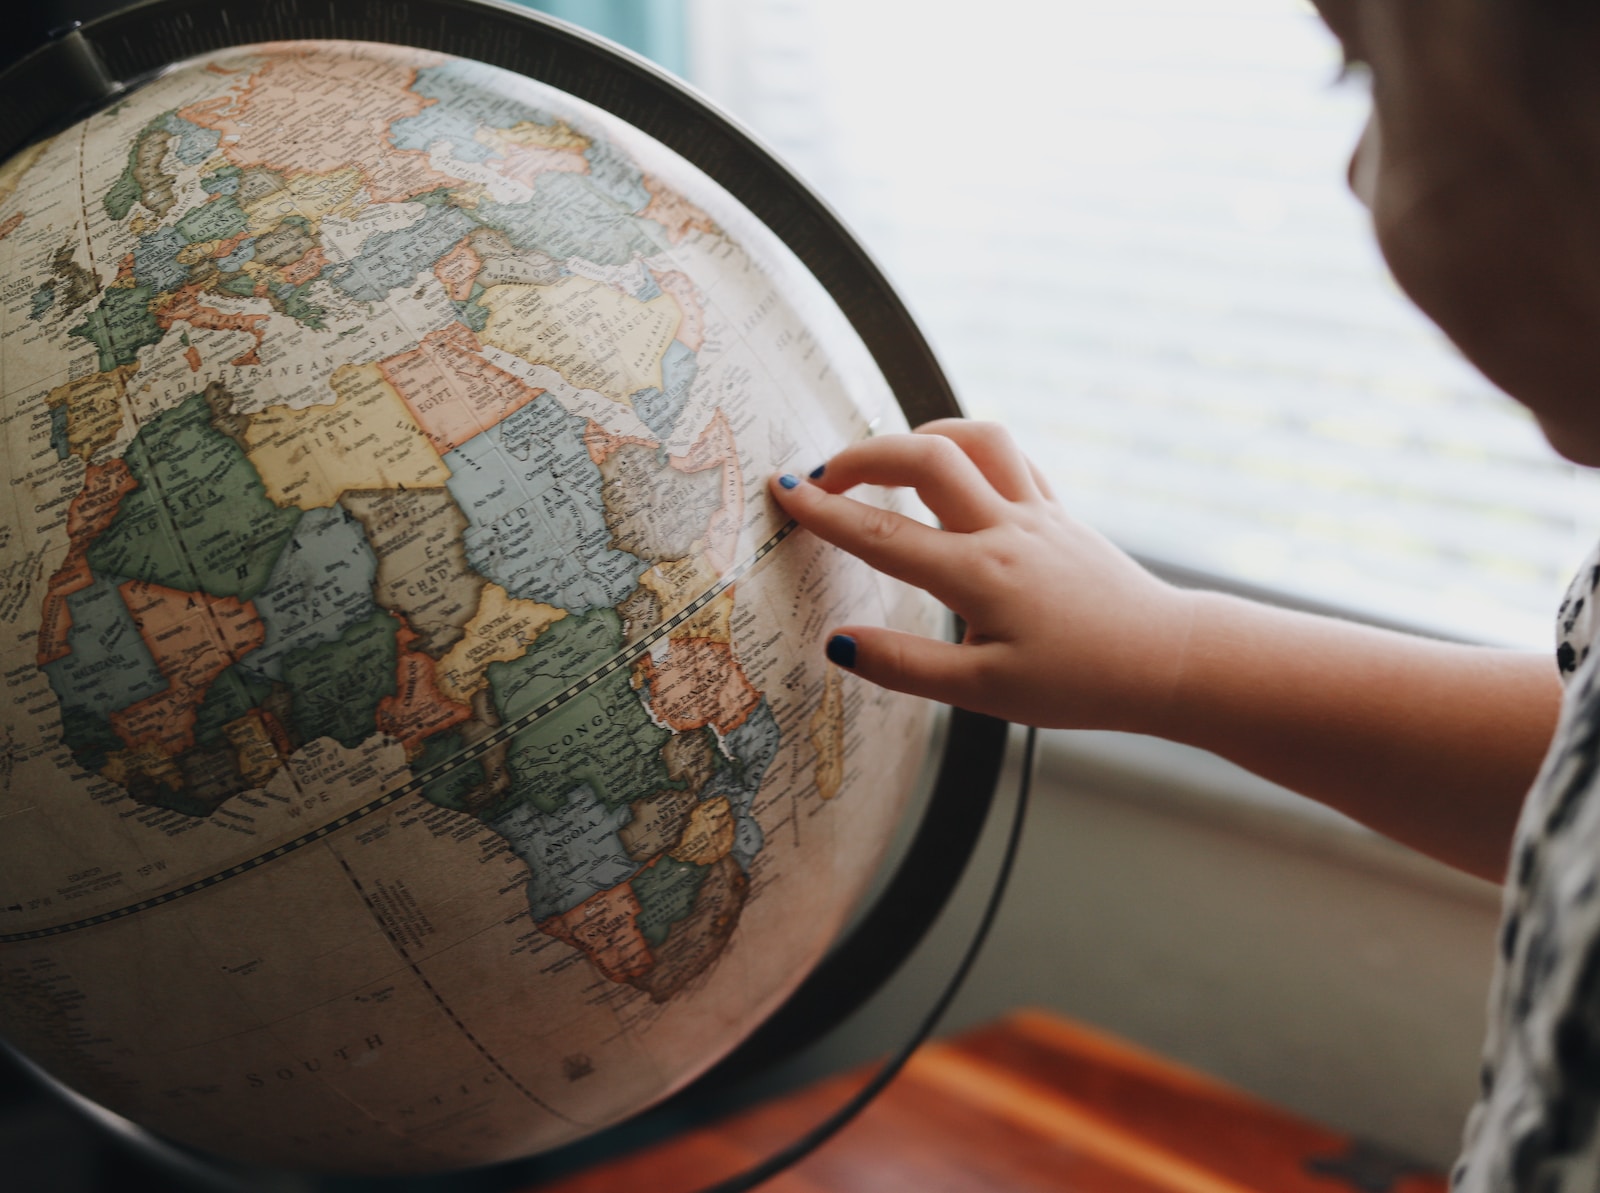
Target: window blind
1124,226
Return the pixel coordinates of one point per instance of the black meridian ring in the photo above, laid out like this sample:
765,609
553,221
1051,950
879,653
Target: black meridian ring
90,66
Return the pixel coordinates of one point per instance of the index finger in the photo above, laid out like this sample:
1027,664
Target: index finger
902,547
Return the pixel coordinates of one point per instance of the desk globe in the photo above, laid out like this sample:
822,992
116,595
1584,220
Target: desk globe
418,748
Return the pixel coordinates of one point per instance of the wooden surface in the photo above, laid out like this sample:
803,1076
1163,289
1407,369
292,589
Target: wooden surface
1032,1104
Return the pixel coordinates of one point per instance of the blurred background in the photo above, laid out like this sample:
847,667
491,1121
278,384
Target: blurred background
1124,226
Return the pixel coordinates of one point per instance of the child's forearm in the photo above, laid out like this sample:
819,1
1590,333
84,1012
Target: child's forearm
1430,743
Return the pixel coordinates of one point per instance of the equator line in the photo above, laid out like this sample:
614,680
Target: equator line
421,779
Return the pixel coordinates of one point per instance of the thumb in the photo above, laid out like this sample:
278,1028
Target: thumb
941,671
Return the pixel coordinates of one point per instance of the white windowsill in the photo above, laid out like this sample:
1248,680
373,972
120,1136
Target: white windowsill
1184,782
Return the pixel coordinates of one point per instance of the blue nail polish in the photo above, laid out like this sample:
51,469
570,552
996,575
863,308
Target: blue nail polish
841,649
816,473
788,480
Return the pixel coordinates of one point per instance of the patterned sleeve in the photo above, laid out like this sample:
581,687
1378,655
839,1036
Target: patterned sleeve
1536,1127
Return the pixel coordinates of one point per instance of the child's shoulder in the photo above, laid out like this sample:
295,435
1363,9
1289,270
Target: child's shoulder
1577,623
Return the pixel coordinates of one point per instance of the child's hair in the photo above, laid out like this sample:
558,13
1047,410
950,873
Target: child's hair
1550,53
1558,12
1556,41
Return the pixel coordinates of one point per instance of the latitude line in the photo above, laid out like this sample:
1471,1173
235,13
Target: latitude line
399,946
421,779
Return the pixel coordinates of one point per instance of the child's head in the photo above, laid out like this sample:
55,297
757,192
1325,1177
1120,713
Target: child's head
1481,166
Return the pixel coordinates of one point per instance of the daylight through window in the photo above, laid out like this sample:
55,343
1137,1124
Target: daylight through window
1124,226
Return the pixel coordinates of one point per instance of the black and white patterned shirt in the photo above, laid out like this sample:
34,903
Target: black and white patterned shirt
1536,1127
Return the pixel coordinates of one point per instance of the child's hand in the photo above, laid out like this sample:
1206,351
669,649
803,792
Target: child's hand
1429,742
1063,629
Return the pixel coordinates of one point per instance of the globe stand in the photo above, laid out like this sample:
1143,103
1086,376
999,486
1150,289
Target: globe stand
766,1064
92,64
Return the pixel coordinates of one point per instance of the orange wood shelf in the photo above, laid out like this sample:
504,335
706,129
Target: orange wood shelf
1031,1104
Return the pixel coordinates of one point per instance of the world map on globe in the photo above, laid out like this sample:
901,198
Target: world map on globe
417,751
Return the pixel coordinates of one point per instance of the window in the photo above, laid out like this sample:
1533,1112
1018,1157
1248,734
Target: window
1124,227
654,28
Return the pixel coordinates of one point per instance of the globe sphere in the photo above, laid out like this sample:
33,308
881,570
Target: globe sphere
417,746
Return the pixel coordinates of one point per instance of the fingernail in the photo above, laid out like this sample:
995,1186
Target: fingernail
841,649
816,473
788,480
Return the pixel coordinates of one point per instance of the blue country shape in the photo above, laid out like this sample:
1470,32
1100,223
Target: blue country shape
224,182
570,215
107,665
753,745
615,174
571,853
537,527
60,436
648,291
659,408
43,299
395,258
469,96
236,260
155,260
195,144
319,587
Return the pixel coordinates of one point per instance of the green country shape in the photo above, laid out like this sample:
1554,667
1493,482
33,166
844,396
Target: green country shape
124,193
602,736
216,219
234,693
337,686
120,325
90,738
451,789
666,892
200,518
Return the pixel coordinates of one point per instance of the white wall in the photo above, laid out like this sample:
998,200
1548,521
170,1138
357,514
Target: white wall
1159,895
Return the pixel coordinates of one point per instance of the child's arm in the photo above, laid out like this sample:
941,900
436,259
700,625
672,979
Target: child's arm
1431,743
